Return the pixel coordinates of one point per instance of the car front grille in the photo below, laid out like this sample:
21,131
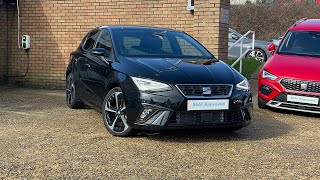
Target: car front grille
303,86
205,90
211,118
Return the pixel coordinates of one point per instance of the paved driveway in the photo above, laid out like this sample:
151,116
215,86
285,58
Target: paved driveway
41,138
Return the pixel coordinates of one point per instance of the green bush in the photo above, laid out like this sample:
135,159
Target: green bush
270,21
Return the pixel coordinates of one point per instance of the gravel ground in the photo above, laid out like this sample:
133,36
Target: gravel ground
40,138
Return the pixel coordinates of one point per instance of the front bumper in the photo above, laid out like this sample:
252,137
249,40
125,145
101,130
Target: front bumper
276,96
168,110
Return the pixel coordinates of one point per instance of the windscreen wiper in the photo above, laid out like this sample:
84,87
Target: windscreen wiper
206,61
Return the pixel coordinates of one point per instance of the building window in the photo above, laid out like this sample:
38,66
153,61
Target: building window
190,6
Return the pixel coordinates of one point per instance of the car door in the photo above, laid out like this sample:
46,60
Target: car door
79,68
83,64
99,70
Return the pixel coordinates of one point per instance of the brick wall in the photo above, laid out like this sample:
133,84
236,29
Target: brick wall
3,43
56,28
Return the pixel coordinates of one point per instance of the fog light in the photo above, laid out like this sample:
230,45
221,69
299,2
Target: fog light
145,113
266,90
238,101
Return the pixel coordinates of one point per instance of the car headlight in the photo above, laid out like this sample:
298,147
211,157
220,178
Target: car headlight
243,85
267,75
149,85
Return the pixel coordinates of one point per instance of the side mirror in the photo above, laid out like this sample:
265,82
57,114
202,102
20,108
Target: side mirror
98,51
235,37
276,42
272,48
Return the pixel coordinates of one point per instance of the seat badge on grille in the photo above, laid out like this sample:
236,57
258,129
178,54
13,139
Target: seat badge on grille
206,90
303,86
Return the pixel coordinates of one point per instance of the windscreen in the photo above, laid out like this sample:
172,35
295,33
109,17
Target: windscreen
232,31
158,44
301,43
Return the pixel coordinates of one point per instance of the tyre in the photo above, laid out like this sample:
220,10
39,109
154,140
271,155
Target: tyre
262,104
72,99
259,55
114,113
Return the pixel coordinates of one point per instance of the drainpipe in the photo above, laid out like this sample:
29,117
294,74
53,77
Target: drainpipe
6,79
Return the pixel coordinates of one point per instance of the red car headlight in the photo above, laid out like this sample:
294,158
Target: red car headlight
267,75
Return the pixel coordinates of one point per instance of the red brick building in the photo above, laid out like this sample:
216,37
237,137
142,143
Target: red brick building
57,26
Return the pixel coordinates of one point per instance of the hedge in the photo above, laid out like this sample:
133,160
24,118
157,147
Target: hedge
270,21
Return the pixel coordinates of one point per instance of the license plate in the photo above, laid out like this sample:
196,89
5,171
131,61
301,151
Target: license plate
303,99
200,105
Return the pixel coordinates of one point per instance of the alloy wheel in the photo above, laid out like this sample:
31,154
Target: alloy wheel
258,55
115,113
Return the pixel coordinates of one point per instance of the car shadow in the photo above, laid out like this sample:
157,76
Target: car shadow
262,127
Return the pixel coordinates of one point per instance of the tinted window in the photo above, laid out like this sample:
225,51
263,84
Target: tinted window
302,43
231,31
84,40
131,42
187,49
104,41
158,44
92,38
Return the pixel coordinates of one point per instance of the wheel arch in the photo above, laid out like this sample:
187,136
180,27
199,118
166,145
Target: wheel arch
113,85
69,69
120,80
259,48
68,72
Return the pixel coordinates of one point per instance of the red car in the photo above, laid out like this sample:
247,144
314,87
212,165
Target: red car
290,79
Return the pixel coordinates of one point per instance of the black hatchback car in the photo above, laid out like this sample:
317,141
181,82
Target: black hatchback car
153,78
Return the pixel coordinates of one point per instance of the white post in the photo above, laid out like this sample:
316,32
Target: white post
241,51
242,54
253,39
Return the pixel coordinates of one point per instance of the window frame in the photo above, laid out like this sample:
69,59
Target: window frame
190,6
88,35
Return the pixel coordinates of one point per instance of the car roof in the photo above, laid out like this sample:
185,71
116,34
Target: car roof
307,25
136,27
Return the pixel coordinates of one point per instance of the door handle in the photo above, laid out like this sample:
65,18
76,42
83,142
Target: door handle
87,65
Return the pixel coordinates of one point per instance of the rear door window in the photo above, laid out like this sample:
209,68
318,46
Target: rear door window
91,40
